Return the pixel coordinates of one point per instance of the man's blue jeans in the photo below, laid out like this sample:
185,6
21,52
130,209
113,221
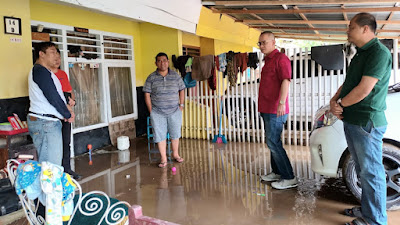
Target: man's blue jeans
365,146
280,163
47,138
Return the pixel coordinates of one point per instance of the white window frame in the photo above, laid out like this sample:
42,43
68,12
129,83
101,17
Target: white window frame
103,70
106,82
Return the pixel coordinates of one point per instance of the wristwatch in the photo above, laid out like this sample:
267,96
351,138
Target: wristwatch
339,101
282,102
182,105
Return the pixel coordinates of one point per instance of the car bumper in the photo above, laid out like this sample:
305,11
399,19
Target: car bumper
327,145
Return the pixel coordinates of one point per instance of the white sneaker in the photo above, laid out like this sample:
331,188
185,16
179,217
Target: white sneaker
285,184
271,177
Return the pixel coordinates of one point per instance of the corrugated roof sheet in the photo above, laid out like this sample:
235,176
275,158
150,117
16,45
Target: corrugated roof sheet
320,24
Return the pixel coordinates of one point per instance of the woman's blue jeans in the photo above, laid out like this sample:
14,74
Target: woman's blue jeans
365,146
280,163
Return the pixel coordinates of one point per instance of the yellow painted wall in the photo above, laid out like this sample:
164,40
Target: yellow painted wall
71,16
207,46
190,39
224,46
217,36
157,39
225,29
15,58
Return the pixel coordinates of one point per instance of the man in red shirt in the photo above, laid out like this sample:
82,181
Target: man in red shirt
274,108
66,126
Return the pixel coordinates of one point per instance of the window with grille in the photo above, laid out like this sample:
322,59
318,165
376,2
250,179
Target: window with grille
100,66
84,45
117,48
191,50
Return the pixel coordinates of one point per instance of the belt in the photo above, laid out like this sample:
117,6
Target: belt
45,115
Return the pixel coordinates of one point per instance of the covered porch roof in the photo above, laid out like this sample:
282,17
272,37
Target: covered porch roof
323,20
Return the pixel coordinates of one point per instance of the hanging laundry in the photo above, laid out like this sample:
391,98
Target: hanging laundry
222,62
179,63
188,80
27,179
188,65
241,61
216,61
68,196
212,81
201,67
231,68
50,179
253,60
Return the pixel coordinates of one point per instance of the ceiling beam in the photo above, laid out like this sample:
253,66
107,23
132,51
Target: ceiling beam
292,11
338,36
314,39
305,18
310,21
390,15
298,2
301,28
345,13
345,17
317,28
258,17
312,35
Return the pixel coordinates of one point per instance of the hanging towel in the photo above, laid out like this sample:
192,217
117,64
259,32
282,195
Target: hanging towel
231,68
241,61
188,65
253,60
222,62
52,186
216,61
68,195
212,81
27,179
188,80
201,67
179,63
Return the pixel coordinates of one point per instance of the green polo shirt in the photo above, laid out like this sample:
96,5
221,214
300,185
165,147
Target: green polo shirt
373,59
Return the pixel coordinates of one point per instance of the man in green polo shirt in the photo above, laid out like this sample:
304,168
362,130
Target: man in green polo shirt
361,102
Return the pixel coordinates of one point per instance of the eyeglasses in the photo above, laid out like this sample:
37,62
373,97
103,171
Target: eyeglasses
162,60
262,43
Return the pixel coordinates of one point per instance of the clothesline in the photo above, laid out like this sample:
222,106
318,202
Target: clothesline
200,68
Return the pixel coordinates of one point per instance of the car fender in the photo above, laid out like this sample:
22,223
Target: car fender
332,143
392,117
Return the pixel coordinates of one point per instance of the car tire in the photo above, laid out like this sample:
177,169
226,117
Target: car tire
391,162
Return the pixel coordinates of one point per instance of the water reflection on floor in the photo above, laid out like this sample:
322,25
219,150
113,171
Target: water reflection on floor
217,185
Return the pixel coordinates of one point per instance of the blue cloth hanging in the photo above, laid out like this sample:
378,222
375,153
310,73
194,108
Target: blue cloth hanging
189,82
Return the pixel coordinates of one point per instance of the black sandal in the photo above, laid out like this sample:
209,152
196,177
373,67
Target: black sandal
353,212
358,221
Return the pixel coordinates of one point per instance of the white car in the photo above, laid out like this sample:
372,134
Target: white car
330,156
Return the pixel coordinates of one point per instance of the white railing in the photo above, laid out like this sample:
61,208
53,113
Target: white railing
310,88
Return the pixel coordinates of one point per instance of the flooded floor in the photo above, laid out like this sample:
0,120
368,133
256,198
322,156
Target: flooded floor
217,185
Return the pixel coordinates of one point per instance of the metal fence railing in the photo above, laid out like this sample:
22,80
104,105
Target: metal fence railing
311,87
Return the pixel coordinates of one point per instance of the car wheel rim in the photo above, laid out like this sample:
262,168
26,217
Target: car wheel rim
392,168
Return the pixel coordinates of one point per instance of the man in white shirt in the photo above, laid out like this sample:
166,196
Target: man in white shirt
47,106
